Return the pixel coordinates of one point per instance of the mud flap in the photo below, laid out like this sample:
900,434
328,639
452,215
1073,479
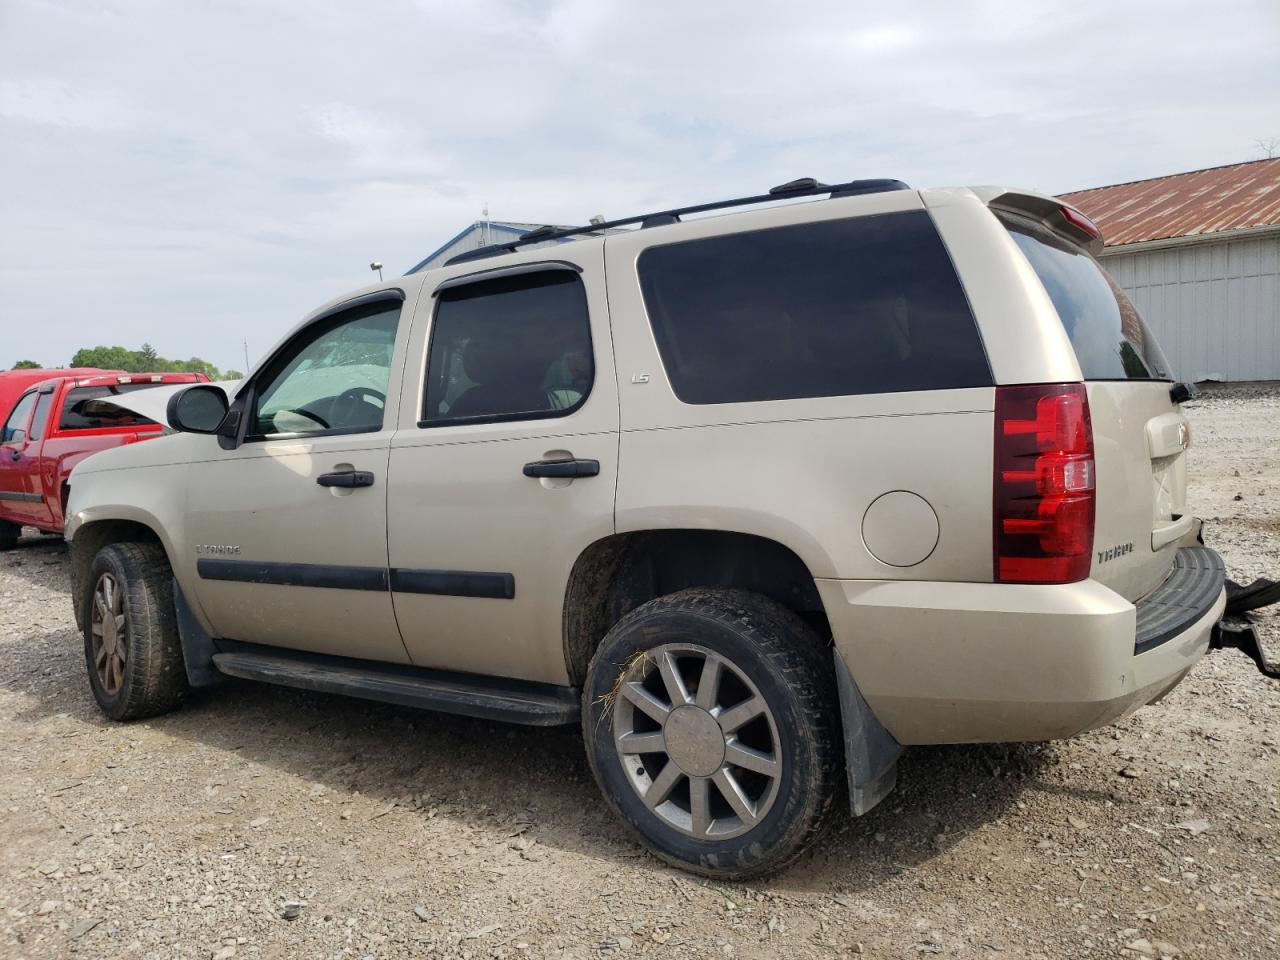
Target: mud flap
197,646
1237,629
870,751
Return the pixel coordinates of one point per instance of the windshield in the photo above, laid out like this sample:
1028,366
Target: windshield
1110,339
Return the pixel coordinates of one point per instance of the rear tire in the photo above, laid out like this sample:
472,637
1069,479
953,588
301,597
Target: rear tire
738,777
131,644
9,534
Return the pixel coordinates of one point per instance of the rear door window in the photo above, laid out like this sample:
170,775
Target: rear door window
1110,339
515,348
839,307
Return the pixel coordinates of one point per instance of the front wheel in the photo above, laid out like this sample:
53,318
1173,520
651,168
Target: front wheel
710,721
131,643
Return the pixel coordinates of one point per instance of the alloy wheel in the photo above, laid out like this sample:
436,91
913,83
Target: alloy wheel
697,741
109,633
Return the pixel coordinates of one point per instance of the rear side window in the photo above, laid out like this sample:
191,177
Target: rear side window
1110,339
864,305
79,413
515,348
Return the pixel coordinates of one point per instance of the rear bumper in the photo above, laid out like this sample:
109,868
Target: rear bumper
986,662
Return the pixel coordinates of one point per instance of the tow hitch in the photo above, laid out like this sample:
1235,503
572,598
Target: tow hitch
1237,626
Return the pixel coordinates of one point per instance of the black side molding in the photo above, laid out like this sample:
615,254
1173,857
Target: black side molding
491,698
294,574
23,497
454,583
445,583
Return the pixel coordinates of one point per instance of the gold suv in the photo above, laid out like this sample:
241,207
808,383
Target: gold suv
757,498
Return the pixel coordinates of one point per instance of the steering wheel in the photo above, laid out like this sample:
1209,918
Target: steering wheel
343,410
310,416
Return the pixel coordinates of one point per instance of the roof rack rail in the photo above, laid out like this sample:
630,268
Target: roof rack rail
804,187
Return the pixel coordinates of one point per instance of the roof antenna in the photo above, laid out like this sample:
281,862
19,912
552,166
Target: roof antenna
488,234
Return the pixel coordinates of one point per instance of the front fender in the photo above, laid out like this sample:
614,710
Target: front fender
127,504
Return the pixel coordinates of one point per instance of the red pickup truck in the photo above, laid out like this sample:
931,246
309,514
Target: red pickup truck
52,427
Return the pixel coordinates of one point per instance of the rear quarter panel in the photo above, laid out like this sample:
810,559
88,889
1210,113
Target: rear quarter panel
1021,332
801,472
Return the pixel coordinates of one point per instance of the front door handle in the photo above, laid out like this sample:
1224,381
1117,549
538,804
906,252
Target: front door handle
346,478
562,468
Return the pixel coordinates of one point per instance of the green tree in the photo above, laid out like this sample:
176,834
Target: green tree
26,365
146,360
108,358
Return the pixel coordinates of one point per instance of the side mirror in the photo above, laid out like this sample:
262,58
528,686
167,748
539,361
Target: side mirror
198,409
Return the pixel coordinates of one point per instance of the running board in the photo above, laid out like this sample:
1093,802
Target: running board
511,701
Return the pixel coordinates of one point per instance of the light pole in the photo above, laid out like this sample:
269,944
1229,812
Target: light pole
377,265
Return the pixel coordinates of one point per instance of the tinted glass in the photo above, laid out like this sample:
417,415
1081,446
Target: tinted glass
333,379
1110,339
510,349
15,428
865,305
78,415
41,419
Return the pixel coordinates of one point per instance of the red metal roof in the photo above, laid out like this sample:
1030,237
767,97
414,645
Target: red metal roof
1185,204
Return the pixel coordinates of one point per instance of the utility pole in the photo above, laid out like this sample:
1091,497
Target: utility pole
246,356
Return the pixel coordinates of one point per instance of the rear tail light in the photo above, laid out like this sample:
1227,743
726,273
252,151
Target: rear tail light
1044,484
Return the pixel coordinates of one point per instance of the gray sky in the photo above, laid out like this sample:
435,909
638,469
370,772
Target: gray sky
194,174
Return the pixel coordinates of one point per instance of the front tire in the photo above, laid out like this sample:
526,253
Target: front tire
9,534
710,720
131,644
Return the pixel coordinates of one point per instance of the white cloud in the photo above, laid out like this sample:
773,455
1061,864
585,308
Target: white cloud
55,102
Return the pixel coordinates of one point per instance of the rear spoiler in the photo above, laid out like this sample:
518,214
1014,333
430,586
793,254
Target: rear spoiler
1054,214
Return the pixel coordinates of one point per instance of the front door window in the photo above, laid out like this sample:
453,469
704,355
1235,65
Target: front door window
333,381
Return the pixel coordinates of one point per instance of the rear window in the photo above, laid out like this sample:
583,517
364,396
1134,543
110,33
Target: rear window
78,413
864,305
1110,339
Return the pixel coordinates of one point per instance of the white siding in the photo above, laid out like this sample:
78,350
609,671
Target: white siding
1215,307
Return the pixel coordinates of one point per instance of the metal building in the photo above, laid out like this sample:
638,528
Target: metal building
1199,255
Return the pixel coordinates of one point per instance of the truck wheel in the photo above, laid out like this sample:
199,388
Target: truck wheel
710,719
9,534
131,643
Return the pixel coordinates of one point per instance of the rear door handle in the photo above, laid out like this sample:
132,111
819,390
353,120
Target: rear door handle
346,478
562,468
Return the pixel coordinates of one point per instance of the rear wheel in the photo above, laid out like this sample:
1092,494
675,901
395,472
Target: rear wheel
9,534
710,723
131,643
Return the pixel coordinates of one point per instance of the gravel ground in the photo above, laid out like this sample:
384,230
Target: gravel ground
405,834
